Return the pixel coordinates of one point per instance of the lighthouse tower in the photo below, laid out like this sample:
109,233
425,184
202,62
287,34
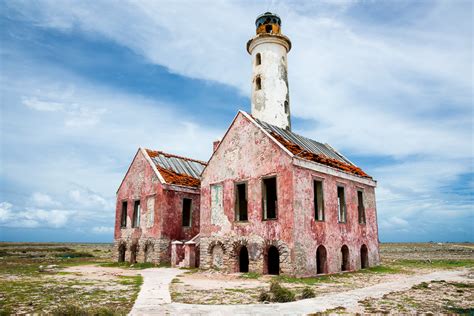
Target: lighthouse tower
270,92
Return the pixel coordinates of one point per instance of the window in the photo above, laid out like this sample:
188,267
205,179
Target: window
287,108
268,28
269,198
318,200
258,59
187,212
341,205
123,216
136,214
258,83
241,202
360,207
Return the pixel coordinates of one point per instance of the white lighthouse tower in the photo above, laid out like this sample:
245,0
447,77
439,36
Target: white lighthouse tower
270,92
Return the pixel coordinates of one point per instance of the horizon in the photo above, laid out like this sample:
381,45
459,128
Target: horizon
389,85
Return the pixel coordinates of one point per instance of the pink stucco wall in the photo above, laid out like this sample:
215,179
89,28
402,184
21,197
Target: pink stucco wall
141,183
247,154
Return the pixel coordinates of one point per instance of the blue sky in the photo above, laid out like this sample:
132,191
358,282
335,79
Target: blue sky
85,83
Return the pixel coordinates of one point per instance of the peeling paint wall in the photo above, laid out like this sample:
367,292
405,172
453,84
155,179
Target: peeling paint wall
268,103
247,154
330,233
161,214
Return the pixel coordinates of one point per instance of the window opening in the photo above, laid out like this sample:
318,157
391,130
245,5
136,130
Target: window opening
187,212
241,202
318,201
269,198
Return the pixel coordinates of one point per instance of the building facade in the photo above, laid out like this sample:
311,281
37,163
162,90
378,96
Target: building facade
276,202
267,201
158,201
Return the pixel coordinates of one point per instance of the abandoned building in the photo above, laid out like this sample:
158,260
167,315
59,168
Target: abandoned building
157,202
267,201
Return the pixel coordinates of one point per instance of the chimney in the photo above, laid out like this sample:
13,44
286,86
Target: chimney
215,144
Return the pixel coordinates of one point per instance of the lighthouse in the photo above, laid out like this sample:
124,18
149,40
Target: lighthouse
270,92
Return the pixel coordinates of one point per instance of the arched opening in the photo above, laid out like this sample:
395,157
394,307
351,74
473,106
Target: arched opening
133,254
258,59
268,28
217,257
147,252
273,260
345,258
364,257
321,260
258,83
122,250
243,259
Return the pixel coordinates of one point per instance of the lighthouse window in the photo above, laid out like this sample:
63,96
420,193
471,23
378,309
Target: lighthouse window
286,107
258,59
258,83
268,28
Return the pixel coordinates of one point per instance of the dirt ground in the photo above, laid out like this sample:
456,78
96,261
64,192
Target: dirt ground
398,261
63,279
67,279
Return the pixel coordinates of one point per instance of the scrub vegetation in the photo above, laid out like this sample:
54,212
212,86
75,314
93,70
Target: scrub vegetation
58,279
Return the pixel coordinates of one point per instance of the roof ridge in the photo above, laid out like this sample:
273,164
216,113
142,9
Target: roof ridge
153,153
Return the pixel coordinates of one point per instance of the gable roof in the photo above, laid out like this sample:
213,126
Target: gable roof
310,149
176,169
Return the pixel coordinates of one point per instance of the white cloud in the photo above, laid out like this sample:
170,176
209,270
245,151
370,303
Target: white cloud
41,199
398,90
32,217
103,230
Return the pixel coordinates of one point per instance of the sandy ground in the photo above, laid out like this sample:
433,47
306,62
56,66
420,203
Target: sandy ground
346,300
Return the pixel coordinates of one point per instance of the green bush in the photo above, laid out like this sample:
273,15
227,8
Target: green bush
265,297
307,293
281,294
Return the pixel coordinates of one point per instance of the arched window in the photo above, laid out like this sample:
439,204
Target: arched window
258,83
243,259
321,259
345,258
364,257
122,250
258,59
273,260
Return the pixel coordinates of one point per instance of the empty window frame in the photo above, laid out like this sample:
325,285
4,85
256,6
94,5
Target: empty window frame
123,215
258,59
241,202
269,196
318,200
187,212
258,83
341,204
136,214
360,206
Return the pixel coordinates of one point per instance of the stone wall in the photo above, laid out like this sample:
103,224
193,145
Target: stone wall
154,250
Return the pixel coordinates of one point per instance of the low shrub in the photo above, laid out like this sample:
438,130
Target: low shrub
281,294
307,293
265,297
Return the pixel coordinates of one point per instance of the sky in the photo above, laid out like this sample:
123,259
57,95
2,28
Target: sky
84,84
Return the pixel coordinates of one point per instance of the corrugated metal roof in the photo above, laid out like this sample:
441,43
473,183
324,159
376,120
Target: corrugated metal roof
304,142
178,164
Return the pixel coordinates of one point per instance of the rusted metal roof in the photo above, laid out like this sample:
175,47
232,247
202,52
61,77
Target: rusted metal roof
305,143
177,169
312,150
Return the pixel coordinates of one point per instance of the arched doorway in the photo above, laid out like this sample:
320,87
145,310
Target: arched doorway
321,259
122,250
364,257
243,259
345,258
273,260
217,257
133,253
148,252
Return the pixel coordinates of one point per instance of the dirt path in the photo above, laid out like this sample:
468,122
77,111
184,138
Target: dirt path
154,293
154,297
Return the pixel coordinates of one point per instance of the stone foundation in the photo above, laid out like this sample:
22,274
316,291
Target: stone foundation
222,253
154,250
